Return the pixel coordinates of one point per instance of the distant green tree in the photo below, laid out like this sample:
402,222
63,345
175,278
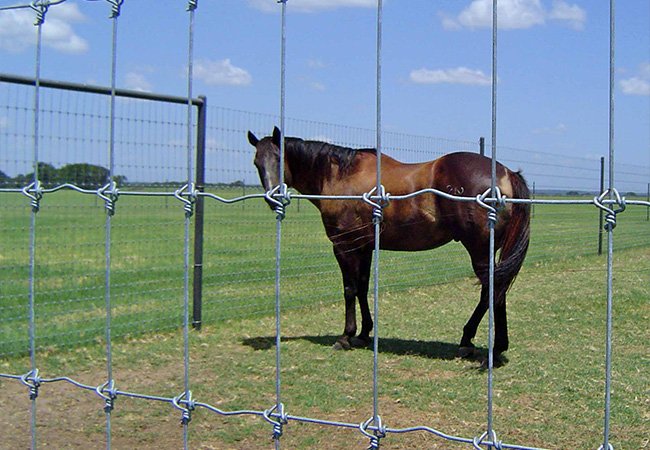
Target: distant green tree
83,175
120,180
4,179
47,175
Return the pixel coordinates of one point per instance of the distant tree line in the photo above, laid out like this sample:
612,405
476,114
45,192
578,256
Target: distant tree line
82,175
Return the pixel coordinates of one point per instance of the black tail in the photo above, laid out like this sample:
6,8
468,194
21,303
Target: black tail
516,238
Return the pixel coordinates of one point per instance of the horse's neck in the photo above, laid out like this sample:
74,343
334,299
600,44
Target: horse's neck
302,178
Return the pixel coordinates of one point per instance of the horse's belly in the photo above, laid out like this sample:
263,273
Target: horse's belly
410,238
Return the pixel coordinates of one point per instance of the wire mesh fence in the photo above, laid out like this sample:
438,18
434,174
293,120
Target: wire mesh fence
146,279
238,246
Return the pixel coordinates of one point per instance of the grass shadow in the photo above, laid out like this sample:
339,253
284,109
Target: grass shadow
395,346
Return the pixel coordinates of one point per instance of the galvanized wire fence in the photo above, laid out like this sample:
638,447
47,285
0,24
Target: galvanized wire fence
149,156
98,281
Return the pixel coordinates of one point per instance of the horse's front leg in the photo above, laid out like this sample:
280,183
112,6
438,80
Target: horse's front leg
363,340
344,342
349,265
355,268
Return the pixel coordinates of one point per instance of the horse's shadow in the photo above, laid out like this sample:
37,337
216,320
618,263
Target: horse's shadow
395,346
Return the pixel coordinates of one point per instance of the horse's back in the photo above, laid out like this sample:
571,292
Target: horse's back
469,174
425,221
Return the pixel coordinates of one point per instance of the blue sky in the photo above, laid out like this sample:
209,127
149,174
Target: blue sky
553,70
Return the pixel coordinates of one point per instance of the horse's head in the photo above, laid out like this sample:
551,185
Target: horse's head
267,159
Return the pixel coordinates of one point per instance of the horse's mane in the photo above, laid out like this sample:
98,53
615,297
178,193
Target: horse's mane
317,156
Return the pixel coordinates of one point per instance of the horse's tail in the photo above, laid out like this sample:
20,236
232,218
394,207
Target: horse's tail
515,238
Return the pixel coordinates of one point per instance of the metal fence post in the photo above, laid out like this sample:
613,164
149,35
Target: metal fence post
197,293
647,214
600,221
532,207
481,145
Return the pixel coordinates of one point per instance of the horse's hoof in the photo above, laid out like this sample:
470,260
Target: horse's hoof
498,361
341,345
358,342
466,352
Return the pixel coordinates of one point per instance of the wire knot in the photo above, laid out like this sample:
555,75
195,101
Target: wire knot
40,7
277,424
116,6
383,198
35,192
32,381
478,441
610,214
109,193
379,432
190,405
188,203
492,212
108,392
279,197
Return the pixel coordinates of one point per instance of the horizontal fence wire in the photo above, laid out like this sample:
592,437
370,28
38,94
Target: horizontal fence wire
142,184
34,382
151,163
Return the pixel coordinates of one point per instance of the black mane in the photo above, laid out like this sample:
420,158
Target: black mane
316,157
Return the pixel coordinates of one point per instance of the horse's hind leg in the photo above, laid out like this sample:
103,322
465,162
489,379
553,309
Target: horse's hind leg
500,326
349,265
467,348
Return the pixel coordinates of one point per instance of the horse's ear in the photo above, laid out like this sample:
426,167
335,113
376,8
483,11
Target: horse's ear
276,136
252,139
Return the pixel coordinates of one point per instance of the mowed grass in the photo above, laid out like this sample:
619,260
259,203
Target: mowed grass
550,394
147,262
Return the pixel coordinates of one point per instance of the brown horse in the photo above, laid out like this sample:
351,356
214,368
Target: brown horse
420,223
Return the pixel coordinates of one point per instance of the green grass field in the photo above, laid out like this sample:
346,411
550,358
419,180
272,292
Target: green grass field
550,394
147,262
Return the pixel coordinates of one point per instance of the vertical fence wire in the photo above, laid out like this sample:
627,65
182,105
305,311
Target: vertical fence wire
610,230
187,395
377,228
491,223
115,4
279,408
32,239
32,376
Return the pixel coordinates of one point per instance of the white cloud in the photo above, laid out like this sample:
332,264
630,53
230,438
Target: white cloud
221,72
638,84
17,30
635,86
137,82
514,14
310,6
459,75
572,14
